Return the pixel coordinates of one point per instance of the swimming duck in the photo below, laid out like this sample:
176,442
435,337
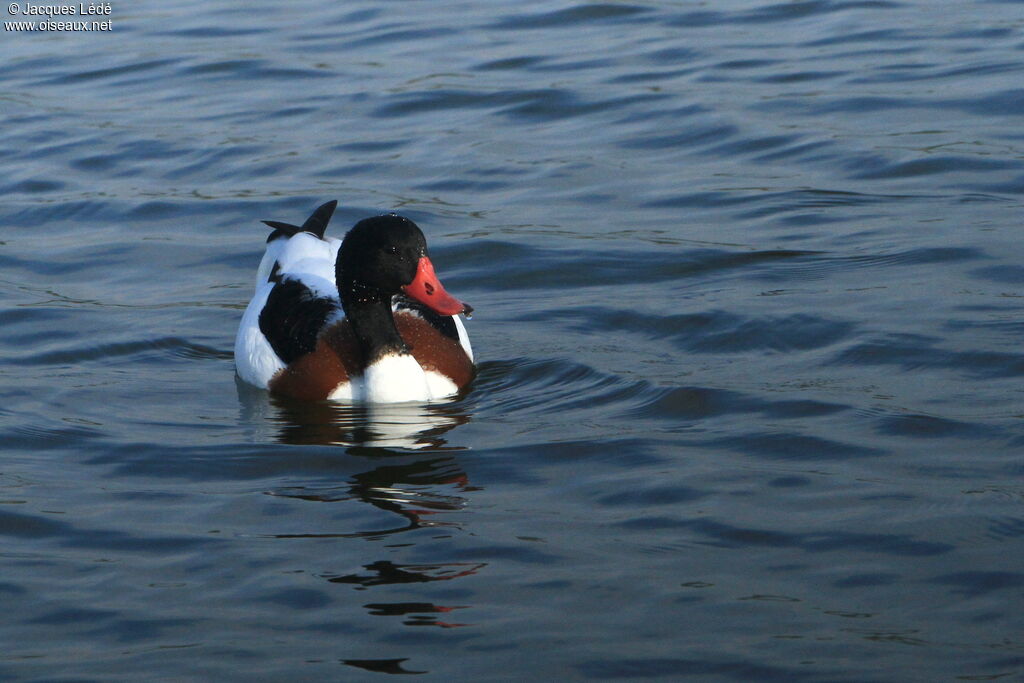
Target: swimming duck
360,319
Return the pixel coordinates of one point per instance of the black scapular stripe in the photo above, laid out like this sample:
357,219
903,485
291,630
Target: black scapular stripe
292,319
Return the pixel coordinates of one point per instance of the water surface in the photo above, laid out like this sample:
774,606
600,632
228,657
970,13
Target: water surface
747,279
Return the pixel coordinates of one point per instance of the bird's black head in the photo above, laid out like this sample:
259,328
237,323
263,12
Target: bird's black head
387,255
381,253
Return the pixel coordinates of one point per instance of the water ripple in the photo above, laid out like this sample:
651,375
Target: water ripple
712,331
913,352
581,14
749,290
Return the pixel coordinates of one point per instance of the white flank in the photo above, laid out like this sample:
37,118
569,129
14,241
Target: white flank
255,360
396,378
463,336
302,257
440,386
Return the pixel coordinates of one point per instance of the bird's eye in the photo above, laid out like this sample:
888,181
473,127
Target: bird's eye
391,249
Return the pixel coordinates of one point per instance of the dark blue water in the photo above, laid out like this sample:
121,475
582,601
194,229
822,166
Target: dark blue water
748,279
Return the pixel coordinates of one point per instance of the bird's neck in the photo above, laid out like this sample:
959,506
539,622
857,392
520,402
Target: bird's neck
369,312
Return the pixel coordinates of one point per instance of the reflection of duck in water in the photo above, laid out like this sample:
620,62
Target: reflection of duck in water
420,490
396,425
363,319
386,572
413,487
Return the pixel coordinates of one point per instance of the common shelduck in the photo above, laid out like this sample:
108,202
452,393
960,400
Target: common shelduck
359,319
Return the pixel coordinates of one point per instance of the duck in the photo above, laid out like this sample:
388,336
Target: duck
361,319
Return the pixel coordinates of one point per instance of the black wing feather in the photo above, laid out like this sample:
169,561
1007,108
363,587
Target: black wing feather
293,317
281,230
318,220
316,224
